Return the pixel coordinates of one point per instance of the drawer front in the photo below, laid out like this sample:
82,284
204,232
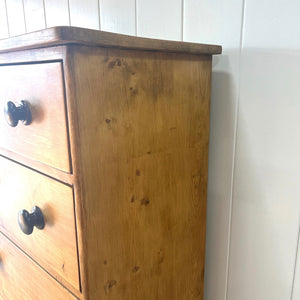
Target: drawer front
53,247
20,278
41,86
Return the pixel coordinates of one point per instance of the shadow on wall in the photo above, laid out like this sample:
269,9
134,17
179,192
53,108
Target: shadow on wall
222,132
265,205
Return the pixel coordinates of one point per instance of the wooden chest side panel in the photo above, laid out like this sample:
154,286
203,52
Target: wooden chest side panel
143,120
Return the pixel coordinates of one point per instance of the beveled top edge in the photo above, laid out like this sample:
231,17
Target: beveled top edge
63,35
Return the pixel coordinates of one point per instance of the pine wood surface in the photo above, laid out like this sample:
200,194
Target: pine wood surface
54,247
37,56
135,131
63,35
142,171
20,278
45,139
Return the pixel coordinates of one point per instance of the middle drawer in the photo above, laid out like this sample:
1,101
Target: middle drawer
53,247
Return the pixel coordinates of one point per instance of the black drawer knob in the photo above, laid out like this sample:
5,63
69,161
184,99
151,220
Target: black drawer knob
14,114
28,220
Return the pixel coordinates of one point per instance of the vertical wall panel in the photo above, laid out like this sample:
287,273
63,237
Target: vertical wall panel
34,15
272,26
266,206
57,12
3,20
203,21
85,13
296,287
218,22
159,19
15,15
118,16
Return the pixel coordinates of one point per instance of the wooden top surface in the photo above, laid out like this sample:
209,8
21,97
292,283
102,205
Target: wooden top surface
73,35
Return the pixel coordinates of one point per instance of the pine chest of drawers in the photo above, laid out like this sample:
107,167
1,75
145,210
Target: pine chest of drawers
103,166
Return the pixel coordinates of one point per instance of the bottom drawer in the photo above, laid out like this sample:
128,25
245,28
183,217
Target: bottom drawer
20,278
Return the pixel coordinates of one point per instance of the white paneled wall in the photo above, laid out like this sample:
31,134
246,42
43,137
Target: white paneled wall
266,206
3,20
296,287
266,195
15,17
118,16
34,15
84,13
198,27
254,159
57,13
159,19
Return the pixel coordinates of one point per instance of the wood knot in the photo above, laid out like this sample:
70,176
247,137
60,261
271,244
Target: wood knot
114,63
109,285
145,201
135,269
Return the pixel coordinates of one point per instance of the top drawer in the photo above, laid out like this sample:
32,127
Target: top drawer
46,138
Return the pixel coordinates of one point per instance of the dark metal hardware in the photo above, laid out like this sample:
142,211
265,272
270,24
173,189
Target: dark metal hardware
14,114
28,220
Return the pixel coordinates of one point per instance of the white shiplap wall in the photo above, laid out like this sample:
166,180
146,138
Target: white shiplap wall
253,192
56,13
118,16
3,20
266,192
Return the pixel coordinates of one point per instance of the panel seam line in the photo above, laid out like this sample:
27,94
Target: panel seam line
182,19
8,31
136,18
233,170
296,262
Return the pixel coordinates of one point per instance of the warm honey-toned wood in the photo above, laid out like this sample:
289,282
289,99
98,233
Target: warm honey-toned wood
38,166
36,56
54,247
128,135
20,278
45,139
74,35
80,211
142,168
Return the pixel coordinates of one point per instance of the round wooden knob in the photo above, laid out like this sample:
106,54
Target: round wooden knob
28,220
14,114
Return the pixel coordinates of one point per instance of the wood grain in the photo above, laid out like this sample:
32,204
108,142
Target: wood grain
74,35
16,269
78,187
37,56
45,139
138,127
33,56
142,171
54,247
